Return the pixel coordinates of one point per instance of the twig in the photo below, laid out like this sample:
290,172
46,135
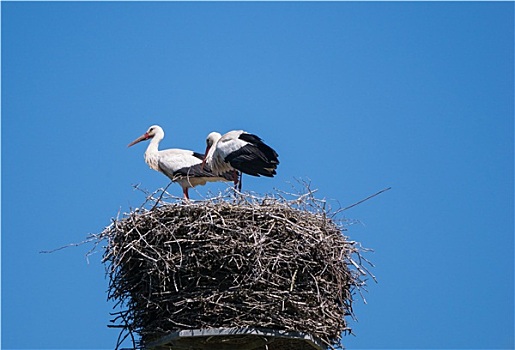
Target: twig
161,196
92,238
363,200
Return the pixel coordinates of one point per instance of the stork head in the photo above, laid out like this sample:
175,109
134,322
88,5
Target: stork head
211,139
151,132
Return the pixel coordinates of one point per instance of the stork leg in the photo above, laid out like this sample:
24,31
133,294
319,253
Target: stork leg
185,194
235,178
239,181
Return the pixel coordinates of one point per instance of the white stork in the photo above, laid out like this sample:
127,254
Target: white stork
240,151
180,165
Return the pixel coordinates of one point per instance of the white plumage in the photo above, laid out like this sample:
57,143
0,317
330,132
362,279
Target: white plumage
180,165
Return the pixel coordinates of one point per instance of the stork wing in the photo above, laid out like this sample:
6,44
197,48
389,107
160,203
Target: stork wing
255,158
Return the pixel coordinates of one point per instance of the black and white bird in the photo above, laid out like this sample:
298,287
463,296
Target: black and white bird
239,151
180,165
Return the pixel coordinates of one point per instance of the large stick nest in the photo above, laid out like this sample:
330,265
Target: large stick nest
242,261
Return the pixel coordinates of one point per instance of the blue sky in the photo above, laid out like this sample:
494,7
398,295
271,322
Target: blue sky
355,96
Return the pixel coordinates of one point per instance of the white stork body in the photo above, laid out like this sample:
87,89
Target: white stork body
238,150
180,165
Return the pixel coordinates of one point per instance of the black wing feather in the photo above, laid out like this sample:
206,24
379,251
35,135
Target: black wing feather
256,158
198,155
192,171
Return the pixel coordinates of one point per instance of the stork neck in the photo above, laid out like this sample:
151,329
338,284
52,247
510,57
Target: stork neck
152,152
153,146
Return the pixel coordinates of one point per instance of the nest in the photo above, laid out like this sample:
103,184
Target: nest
242,261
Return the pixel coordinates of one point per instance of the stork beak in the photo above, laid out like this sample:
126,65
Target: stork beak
143,137
205,156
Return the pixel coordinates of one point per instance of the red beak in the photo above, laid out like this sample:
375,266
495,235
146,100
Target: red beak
205,156
143,137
